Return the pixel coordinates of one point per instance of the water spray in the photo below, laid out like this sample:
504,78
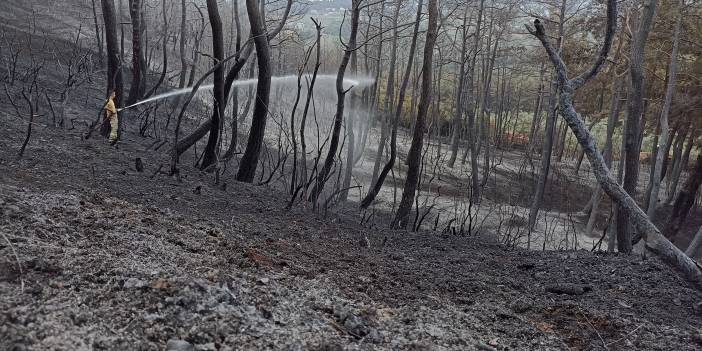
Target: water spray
348,83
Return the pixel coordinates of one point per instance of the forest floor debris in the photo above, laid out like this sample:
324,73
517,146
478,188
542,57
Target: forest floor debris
113,259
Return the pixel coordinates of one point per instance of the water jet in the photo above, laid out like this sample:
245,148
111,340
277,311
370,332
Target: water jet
356,82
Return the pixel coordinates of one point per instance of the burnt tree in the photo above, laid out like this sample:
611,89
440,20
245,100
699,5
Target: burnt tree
249,162
210,156
414,157
634,113
114,66
136,89
684,200
341,97
373,192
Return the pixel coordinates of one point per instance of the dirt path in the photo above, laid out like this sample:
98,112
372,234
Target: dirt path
113,259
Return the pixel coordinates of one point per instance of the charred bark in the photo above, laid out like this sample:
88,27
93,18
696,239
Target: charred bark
249,162
665,128
684,201
414,157
114,66
373,192
136,89
210,156
341,97
634,113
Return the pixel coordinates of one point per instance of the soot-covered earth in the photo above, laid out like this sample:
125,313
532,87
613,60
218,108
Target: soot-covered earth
96,255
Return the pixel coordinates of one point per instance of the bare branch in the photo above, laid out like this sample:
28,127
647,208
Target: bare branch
602,55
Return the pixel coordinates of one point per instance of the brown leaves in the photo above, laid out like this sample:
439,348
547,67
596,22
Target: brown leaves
259,259
544,327
161,284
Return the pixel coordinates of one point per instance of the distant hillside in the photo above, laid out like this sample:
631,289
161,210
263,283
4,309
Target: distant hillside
45,17
324,6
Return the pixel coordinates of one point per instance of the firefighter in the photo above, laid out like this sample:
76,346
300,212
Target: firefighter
111,111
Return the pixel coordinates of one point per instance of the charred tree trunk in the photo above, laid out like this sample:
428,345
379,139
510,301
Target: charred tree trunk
668,146
164,48
385,115
665,128
235,91
634,113
241,58
210,156
688,148
677,147
695,244
28,135
114,66
136,89
120,22
684,200
680,161
196,52
549,134
340,100
538,105
367,97
183,39
373,192
249,162
612,121
471,125
293,132
350,133
310,96
98,38
458,113
485,111
386,119
653,160
414,156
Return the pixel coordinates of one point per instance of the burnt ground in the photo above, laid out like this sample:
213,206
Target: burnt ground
96,255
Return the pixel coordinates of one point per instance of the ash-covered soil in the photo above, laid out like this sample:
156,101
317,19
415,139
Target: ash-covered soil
95,255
